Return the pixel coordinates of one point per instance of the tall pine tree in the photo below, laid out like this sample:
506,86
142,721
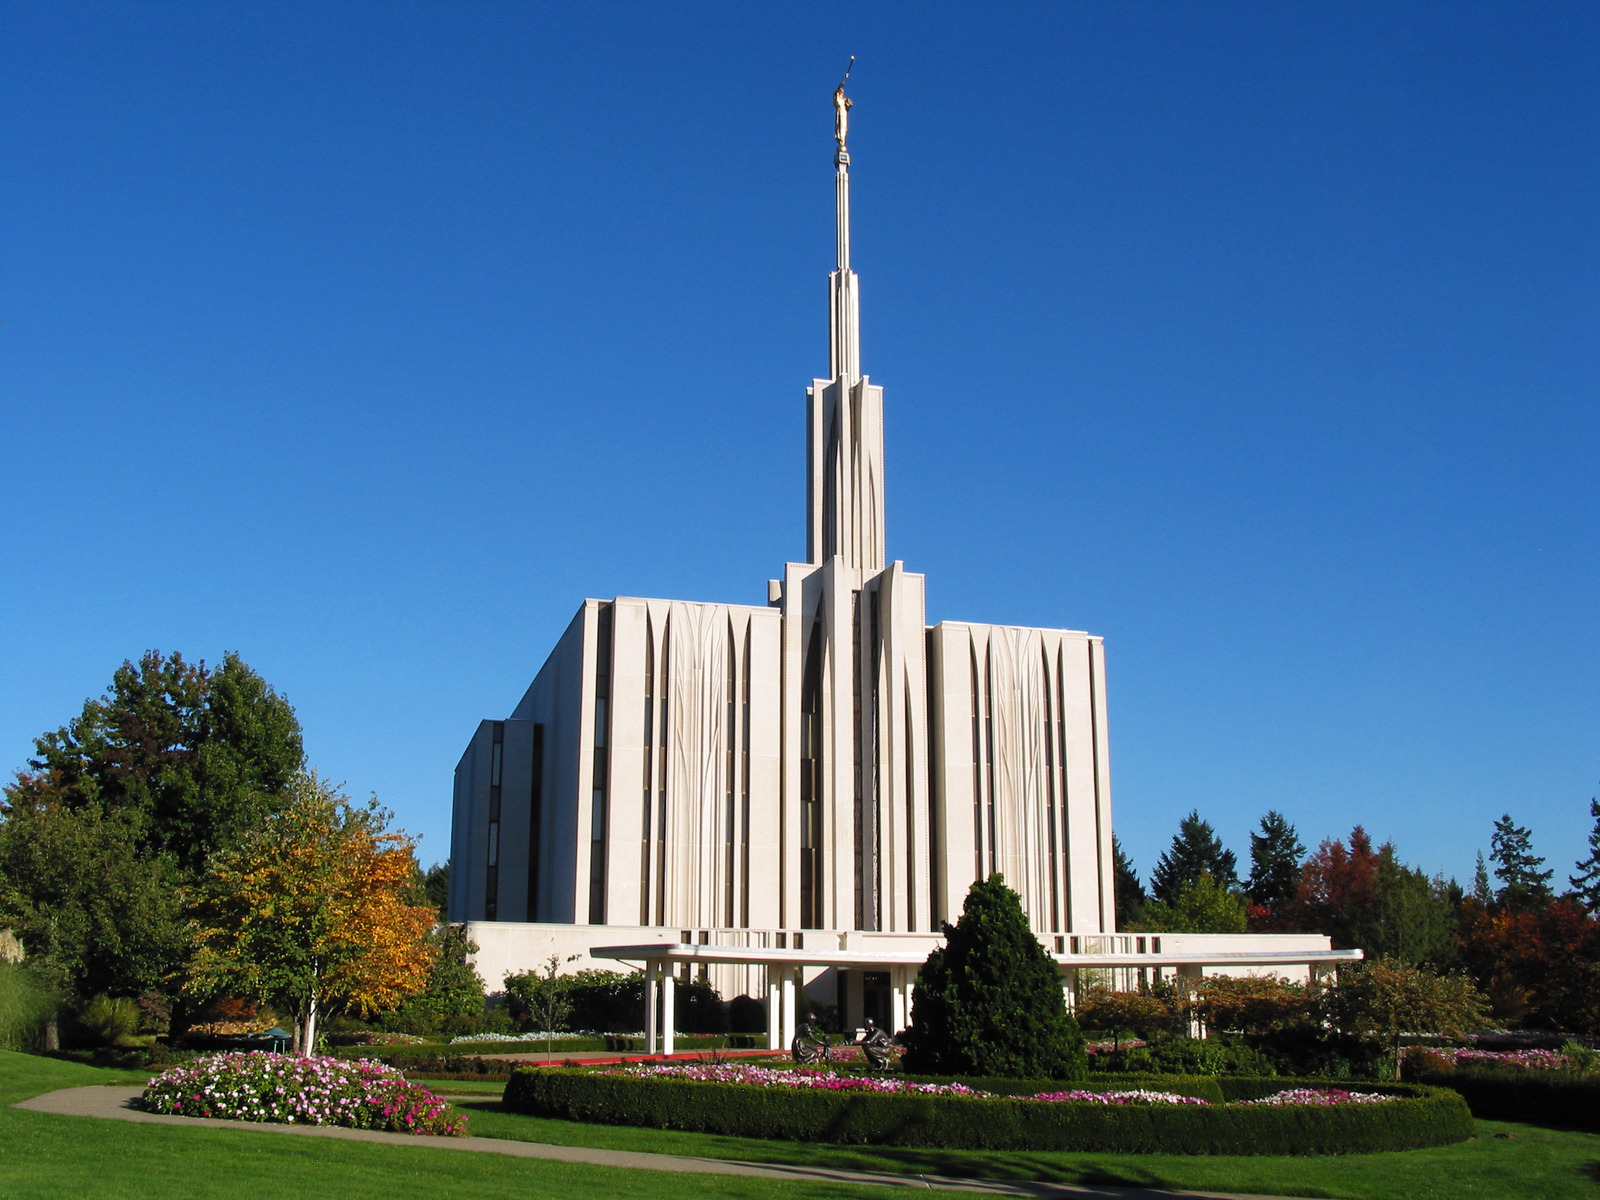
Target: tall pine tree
1131,896
1586,883
1275,856
1516,866
1196,849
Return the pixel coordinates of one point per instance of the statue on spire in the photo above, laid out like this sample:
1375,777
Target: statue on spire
842,105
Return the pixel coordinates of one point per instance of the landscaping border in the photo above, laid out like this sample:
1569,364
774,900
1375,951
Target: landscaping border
1558,1099
1420,1116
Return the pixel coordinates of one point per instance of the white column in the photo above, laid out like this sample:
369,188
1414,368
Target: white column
652,992
774,1010
900,999
669,1016
791,1026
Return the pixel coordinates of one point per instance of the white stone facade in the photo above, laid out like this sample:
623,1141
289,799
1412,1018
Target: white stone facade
824,768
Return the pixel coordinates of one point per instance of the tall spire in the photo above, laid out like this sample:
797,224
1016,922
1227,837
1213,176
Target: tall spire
844,327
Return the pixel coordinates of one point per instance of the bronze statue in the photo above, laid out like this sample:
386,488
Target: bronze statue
809,1046
841,107
876,1045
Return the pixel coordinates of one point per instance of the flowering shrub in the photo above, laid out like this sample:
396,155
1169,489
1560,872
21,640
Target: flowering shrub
820,1080
795,1078
1321,1097
1520,1060
302,1091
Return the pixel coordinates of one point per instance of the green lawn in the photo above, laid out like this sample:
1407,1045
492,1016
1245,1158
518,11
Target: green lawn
69,1157
1530,1163
46,1157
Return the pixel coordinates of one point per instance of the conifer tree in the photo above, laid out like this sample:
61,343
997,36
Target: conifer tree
989,1000
1586,883
1522,884
1482,889
1275,856
1131,896
1195,849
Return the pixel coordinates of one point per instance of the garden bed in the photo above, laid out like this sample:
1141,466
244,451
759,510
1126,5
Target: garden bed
283,1089
739,1101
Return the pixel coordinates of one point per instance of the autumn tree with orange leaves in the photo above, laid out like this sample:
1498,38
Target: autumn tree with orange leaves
313,911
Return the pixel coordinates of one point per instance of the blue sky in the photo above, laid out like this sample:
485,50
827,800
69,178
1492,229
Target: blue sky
1263,340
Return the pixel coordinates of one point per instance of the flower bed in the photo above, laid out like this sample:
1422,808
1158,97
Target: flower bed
281,1088
825,1080
1514,1060
1264,1116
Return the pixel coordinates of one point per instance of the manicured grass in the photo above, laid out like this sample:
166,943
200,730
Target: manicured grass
1532,1163
47,1157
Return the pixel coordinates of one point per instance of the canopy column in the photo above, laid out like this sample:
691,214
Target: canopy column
669,1016
774,1009
652,997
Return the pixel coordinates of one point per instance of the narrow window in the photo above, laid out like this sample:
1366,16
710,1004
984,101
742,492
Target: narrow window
665,732
811,783
744,788
597,825
988,747
1053,863
491,885
649,714
730,823
535,821
911,820
977,775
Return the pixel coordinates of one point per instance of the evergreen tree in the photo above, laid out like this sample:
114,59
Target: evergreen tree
1516,866
1275,855
1196,849
1131,897
1586,883
989,1000
1482,889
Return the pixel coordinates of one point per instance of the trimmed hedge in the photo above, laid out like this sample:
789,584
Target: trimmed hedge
1423,1117
1203,1087
1564,1099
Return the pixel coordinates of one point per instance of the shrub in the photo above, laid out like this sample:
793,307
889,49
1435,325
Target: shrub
746,1014
301,1091
611,1002
1418,1116
1189,1056
108,1021
27,1003
1568,1099
989,1000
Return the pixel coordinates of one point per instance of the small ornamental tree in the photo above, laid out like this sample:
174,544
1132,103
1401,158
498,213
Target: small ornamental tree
1387,1000
312,911
989,1001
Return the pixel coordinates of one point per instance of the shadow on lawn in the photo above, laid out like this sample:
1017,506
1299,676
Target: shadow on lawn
1591,1171
968,1164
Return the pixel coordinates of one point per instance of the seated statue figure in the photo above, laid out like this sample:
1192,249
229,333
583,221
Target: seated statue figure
876,1044
808,1046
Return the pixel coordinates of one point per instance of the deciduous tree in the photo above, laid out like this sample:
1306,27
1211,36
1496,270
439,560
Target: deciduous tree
313,910
1386,1000
1200,906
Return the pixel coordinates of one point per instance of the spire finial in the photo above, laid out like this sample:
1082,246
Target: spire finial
842,105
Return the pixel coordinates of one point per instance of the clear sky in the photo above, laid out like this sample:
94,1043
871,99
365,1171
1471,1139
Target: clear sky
1261,339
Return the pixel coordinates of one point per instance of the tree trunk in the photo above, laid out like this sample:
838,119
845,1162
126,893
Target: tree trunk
52,1035
308,1029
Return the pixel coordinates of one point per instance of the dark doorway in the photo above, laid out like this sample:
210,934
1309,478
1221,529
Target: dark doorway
875,998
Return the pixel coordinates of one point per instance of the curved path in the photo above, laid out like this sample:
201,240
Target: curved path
115,1103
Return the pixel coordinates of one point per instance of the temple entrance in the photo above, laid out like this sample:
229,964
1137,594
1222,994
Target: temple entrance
875,999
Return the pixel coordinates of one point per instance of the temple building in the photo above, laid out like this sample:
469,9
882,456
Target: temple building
798,794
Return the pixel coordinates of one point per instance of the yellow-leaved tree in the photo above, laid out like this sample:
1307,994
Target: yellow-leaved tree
313,910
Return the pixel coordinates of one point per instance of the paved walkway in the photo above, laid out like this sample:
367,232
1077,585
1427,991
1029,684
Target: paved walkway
114,1103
